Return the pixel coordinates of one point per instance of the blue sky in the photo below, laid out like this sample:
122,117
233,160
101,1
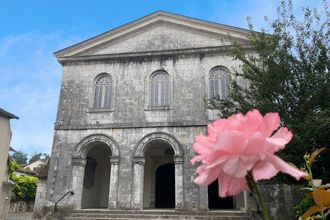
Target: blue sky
30,31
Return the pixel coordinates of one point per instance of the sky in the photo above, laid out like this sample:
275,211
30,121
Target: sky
31,31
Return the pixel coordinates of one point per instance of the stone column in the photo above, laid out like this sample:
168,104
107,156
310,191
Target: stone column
203,198
179,200
239,201
137,186
78,170
113,187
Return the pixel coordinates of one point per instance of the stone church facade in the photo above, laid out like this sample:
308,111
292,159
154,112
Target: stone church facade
132,99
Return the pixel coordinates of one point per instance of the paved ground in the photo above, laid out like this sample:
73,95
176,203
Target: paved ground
19,216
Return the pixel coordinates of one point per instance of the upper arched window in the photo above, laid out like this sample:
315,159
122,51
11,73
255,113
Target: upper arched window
219,83
103,92
159,90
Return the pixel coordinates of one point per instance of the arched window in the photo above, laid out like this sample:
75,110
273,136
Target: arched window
103,92
159,90
219,83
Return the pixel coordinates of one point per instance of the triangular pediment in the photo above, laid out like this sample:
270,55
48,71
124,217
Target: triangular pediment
158,32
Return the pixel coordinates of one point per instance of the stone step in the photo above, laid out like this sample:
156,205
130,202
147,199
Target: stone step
98,214
160,218
153,216
158,212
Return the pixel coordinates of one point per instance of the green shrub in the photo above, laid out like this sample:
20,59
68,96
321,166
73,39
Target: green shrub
25,188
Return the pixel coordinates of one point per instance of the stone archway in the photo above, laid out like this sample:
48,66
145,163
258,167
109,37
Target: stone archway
83,150
139,161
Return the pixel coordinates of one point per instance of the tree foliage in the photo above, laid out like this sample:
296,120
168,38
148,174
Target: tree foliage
20,157
288,73
39,156
12,167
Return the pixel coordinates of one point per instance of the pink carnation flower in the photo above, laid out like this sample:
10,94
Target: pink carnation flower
239,144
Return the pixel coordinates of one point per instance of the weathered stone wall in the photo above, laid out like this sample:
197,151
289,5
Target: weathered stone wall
39,202
5,195
5,136
162,36
189,75
280,200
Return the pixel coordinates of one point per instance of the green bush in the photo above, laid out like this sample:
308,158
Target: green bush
25,188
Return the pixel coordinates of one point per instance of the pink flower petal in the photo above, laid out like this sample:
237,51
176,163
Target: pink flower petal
257,144
217,160
216,127
281,165
236,167
202,149
264,170
235,122
231,186
270,123
252,122
206,176
280,139
204,141
233,142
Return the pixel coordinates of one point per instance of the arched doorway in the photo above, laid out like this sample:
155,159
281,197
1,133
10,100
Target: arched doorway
215,202
159,176
165,190
95,193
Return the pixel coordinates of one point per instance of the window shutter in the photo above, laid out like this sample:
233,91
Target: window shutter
103,92
219,83
159,90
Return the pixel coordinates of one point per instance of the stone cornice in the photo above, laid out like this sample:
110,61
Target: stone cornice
148,55
131,125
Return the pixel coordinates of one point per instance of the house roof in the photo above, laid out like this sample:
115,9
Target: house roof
35,162
6,114
23,170
156,17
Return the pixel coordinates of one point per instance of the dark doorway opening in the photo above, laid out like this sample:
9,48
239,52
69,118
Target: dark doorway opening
165,186
96,177
215,202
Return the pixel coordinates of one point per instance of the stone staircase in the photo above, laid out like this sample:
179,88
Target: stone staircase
101,214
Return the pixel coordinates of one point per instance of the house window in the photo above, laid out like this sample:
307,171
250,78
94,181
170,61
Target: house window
219,83
103,92
159,90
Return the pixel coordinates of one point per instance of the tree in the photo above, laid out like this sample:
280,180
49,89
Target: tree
20,157
12,167
289,74
39,156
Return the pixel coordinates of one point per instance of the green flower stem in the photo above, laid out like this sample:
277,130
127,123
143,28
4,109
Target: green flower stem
254,188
